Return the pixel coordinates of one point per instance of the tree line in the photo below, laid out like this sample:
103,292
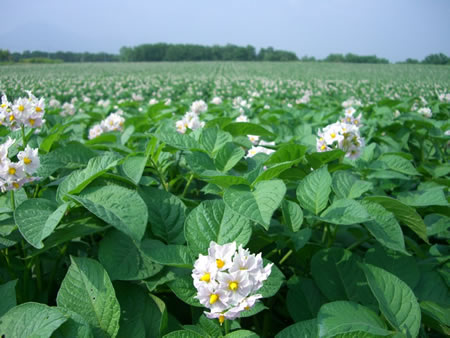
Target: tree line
191,52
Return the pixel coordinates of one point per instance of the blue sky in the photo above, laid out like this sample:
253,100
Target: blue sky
395,29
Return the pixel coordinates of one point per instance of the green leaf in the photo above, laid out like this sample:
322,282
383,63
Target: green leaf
273,283
170,255
424,198
399,164
396,300
338,276
133,167
247,128
224,181
183,288
214,221
141,315
259,204
436,311
177,140
80,179
273,171
212,139
75,326
303,299
314,189
384,227
300,238
199,162
228,156
432,287
292,215
8,296
183,334
124,259
345,212
404,267
242,334
166,214
403,213
87,290
33,218
346,185
287,153
31,320
346,317
123,208
306,329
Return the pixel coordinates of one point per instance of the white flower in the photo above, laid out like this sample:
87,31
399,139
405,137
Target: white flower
242,118
191,121
396,113
95,131
199,106
258,149
216,100
152,101
113,122
425,111
253,138
137,97
67,109
168,102
11,172
226,280
29,159
54,103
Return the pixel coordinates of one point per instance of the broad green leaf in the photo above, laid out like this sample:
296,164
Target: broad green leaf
170,255
404,267
183,288
259,204
300,238
242,334
346,185
396,300
318,159
292,215
75,326
436,311
183,334
123,208
133,167
257,308
80,179
337,274
212,139
33,218
177,140
31,320
303,299
199,162
346,317
124,259
314,189
224,181
247,128
214,221
272,284
304,329
345,212
87,290
8,296
140,316
384,227
287,153
403,213
228,156
166,214
273,171
432,287
423,198
399,164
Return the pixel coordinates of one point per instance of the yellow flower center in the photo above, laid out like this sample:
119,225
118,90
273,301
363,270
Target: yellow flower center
220,263
348,119
247,307
233,285
26,160
15,185
38,109
356,122
32,121
3,105
21,108
12,171
221,319
206,277
333,135
323,147
213,298
11,117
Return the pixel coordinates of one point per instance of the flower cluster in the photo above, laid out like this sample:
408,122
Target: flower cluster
199,106
258,146
13,175
23,112
425,111
227,280
343,134
191,121
113,122
216,100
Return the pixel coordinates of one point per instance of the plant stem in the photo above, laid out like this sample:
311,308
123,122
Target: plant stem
187,185
285,256
13,202
161,177
24,140
227,326
354,245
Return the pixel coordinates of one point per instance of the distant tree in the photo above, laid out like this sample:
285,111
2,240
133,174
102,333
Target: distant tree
411,61
436,59
5,55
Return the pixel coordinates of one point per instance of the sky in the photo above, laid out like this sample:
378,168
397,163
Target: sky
394,29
